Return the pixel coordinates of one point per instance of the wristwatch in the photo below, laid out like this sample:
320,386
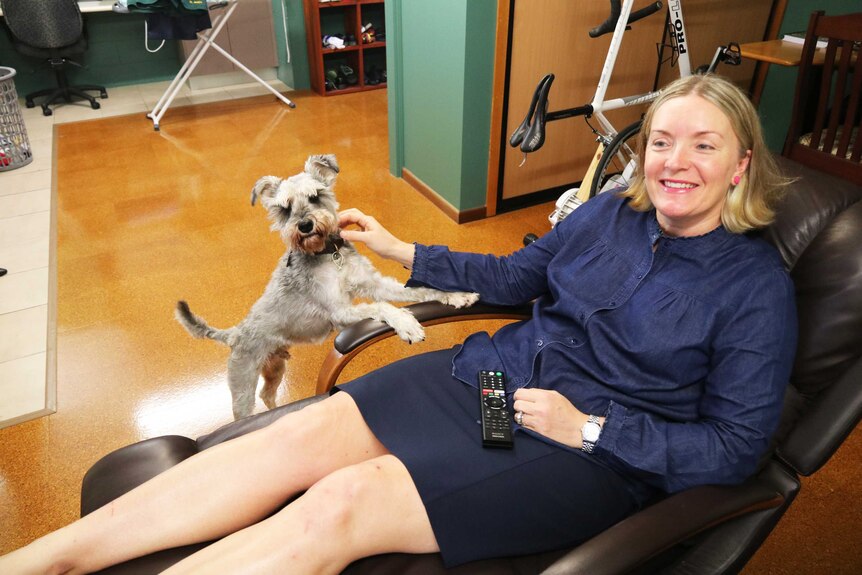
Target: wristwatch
590,433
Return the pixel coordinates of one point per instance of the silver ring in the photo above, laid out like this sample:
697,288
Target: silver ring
519,417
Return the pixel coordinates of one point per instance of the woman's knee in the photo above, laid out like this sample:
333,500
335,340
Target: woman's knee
330,428
338,503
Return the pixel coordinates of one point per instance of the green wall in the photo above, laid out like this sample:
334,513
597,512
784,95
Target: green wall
440,56
776,103
116,56
294,73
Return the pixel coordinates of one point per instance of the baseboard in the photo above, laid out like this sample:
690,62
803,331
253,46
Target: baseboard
451,211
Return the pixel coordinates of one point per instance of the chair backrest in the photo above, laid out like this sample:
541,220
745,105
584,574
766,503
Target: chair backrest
44,24
827,108
818,231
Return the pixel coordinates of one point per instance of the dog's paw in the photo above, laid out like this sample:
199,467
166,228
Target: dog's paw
459,299
408,328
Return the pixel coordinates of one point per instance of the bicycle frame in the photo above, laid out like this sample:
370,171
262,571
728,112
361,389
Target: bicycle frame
599,105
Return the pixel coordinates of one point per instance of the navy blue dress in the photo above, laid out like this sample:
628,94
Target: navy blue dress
485,502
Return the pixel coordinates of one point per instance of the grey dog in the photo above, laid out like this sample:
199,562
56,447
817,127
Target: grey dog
312,289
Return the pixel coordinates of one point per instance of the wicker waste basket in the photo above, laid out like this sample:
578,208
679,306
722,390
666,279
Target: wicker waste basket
14,146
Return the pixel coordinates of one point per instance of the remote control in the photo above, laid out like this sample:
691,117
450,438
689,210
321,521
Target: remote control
496,428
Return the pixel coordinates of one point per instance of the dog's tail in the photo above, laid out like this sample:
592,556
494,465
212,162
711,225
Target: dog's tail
196,326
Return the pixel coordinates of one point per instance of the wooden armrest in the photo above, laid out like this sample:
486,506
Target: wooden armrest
362,334
632,542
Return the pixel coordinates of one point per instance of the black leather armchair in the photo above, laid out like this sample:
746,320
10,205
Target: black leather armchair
707,529
52,30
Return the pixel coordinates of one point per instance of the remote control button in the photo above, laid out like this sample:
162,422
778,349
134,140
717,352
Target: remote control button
494,402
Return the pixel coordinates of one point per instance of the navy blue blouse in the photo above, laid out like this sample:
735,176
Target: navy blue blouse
686,349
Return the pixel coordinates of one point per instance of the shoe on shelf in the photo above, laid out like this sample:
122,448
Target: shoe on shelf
333,42
348,74
372,76
335,79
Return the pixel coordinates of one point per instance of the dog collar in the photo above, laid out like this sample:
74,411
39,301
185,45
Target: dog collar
334,243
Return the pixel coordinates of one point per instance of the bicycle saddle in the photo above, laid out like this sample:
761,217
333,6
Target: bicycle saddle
530,134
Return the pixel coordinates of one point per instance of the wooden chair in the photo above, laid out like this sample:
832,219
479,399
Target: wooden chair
827,106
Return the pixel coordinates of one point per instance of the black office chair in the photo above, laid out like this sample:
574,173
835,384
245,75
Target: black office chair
52,30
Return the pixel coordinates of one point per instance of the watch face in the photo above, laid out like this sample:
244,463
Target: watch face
591,431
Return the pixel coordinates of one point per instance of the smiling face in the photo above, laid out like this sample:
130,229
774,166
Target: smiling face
692,155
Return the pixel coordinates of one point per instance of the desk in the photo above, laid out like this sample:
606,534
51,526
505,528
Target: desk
771,52
91,6
777,52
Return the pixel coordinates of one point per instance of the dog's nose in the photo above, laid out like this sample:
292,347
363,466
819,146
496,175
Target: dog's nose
305,226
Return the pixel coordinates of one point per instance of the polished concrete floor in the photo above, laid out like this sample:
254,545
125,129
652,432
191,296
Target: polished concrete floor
145,218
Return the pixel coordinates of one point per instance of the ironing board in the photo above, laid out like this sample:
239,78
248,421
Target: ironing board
206,40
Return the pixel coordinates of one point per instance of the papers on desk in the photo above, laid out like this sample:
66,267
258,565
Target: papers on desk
799,38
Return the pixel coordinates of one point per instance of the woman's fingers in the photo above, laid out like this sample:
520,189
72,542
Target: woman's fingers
354,216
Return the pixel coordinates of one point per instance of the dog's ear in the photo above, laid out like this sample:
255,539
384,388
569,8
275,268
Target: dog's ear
265,188
322,168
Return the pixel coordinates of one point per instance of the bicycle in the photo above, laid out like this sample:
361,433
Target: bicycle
614,162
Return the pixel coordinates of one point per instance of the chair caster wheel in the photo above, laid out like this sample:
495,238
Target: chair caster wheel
30,104
103,94
47,111
529,238
95,105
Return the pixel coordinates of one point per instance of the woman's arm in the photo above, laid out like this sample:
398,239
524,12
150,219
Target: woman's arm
739,409
502,280
549,413
740,404
376,237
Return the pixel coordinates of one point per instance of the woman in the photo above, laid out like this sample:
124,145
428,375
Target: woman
656,360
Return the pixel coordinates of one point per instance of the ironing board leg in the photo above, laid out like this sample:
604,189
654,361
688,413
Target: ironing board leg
205,41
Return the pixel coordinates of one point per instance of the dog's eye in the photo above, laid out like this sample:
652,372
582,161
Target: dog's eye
285,211
314,200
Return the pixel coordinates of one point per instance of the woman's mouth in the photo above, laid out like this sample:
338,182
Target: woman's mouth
677,185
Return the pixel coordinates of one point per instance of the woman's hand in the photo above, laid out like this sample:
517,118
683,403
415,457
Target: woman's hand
550,414
376,237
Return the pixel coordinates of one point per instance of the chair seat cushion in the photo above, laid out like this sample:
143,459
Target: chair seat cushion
805,140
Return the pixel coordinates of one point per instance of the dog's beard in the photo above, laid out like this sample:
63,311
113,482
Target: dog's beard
315,241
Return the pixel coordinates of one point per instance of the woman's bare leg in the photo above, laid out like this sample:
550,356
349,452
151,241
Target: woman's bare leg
216,492
365,509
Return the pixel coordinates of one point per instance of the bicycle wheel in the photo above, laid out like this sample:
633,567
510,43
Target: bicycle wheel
616,166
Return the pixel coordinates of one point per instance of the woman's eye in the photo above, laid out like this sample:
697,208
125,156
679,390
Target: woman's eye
658,143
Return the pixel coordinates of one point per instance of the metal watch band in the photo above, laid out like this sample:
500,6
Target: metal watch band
588,446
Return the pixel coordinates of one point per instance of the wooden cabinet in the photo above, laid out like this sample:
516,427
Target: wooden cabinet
361,63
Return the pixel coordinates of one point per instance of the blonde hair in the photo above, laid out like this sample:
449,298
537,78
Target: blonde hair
749,204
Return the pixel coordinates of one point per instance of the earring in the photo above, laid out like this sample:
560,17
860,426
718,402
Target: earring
736,179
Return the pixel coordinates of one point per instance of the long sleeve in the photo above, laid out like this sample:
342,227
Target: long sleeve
502,280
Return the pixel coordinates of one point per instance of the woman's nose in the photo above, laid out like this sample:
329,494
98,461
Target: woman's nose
678,158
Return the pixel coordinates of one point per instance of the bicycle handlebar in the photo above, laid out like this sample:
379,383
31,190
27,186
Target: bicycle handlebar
611,23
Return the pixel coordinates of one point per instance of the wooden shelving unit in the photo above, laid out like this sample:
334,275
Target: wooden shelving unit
367,61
